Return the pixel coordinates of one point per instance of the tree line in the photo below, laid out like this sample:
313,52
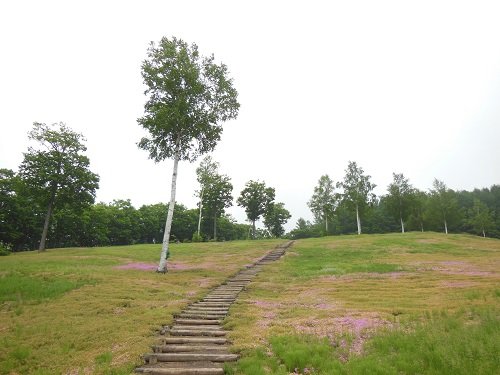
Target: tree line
349,206
50,202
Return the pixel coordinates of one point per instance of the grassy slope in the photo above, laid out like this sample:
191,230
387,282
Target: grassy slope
72,311
413,303
384,304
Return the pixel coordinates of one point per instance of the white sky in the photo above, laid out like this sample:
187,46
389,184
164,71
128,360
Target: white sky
398,86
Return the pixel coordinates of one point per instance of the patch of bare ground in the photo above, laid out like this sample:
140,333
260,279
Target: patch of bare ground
347,329
460,268
365,275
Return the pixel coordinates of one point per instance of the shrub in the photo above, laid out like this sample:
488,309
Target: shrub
5,249
197,237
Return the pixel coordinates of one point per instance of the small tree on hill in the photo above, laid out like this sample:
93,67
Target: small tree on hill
275,217
323,201
480,217
56,171
205,173
400,198
189,97
256,199
217,198
443,203
357,190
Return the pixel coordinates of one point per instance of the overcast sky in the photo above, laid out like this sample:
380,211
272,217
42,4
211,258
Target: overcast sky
398,86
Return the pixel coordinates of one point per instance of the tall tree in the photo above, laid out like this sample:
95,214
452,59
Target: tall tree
275,217
217,198
400,198
357,190
417,214
443,202
56,171
256,199
323,201
205,173
188,98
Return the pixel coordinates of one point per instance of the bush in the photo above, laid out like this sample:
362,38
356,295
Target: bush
197,237
5,249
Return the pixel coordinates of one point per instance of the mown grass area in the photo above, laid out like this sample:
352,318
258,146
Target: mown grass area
73,311
418,303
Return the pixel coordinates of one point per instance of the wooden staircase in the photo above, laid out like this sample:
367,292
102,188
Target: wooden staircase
196,343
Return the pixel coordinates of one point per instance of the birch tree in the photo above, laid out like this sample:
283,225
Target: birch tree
443,202
56,171
323,201
357,190
400,198
481,218
205,173
189,96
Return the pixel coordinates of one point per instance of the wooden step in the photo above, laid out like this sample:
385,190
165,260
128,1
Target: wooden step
190,357
189,348
208,308
197,327
194,340
180,370
196,332
184,315
212,304
183,321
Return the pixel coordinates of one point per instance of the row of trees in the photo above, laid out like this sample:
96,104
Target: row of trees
22,218
403,207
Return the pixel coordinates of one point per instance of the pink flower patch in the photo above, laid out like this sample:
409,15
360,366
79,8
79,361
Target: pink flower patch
152,267
138,266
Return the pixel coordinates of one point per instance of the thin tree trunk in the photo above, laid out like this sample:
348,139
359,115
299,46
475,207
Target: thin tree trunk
215,227
484,234
253,230
162,267
402,225
201,205
326,222
422,226
50,208
358,219
445,227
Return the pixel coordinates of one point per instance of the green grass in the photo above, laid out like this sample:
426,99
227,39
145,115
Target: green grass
371,304
73,311
378,304
17,288
443,344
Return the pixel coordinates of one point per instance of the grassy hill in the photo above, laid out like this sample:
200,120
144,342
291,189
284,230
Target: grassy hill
419,302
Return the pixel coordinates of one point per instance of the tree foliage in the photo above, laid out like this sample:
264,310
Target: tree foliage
218,196
443,204
189,97
481,218
275,217
256,198
400,198
357,190
323,201
205,173
56,172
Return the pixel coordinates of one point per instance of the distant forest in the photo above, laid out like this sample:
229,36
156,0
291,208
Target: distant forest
120,223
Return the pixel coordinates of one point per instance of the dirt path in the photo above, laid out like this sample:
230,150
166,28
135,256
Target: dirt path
196,343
